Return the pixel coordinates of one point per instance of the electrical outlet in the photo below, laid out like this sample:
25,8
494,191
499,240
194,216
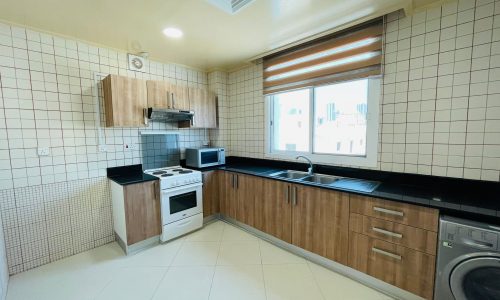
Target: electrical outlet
129,147
102,148
43,151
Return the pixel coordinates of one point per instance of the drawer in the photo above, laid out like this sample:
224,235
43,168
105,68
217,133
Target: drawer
405,268
402,213
404,235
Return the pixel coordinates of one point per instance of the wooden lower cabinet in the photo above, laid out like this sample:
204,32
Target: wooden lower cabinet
404,235
238,196
211,188
273,211
320,222
405,268
142,211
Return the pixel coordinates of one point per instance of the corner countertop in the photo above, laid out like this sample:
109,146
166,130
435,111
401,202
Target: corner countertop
128,175
451,196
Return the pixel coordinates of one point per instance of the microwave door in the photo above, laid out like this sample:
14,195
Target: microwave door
209,158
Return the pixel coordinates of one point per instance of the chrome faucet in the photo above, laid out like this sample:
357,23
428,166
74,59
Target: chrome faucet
310,169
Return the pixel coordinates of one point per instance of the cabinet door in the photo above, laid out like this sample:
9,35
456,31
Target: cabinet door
248,190
229,204
142,211
124,100
320,221
180,99
273,211
400,266
204,105
210,193
159,94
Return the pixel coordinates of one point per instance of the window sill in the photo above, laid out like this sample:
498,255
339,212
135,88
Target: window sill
356,161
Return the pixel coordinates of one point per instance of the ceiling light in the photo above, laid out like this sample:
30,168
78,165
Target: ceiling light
172,32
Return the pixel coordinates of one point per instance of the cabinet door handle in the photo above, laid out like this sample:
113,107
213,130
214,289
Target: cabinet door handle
237,181
294,196
387,232
173,101
232,181
388,211
287,194
389,254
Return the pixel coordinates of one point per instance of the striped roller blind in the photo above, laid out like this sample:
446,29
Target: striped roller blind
355,53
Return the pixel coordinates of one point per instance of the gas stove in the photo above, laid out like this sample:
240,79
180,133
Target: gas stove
172,177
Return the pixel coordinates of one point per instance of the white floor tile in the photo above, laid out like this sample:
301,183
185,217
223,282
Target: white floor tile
134,283
197,254
239,253
238,282
159,256
272,255
335,286
293,282
210,233
233,234
219,261
185,283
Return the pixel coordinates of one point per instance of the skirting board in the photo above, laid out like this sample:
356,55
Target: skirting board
356,275
142,245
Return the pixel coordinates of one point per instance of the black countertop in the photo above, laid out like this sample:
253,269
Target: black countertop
128,175
473,199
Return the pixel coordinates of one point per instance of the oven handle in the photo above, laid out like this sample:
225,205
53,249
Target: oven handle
181,188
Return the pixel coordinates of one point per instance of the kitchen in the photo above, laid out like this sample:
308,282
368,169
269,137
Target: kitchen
396,197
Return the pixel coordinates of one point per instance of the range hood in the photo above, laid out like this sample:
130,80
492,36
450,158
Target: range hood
168,115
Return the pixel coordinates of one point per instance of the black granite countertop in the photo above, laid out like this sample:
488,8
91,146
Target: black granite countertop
459,197
128,174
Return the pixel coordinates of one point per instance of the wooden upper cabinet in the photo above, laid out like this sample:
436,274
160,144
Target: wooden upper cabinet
180,99
159,93
124,100
320,222
142,211
204,105
273,211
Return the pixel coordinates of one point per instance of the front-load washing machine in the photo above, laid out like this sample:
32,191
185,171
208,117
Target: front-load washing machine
468,262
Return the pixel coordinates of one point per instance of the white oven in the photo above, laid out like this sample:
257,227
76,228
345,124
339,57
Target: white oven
181,210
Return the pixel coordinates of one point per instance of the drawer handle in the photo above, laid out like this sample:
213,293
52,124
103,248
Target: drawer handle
391,255
387,232
388,211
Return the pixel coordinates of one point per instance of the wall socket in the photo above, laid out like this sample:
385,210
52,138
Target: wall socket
43,151
129,147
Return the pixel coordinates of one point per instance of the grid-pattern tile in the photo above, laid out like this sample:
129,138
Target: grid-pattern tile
50,96
440,108
63,219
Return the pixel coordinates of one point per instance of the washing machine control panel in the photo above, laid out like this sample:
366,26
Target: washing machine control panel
470,236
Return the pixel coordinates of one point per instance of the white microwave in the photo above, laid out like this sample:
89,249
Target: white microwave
205,157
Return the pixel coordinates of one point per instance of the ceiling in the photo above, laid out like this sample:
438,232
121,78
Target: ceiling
212,38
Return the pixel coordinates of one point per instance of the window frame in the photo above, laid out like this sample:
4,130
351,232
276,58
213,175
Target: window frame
372,132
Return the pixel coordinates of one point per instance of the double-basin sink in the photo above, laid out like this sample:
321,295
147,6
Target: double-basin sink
328,180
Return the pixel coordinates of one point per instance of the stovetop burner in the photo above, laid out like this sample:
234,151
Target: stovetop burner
166,175
159,172
185,171
177,170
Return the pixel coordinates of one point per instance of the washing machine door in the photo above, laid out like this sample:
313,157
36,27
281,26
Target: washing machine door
476,279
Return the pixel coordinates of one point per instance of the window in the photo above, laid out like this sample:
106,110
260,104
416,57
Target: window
335,123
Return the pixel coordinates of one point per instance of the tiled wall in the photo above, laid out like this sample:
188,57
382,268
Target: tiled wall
4,269
58,205
440,110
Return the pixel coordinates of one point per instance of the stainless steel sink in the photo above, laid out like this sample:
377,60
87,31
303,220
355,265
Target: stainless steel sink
321,179
289,174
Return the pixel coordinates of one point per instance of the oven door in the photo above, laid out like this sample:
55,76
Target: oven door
181,202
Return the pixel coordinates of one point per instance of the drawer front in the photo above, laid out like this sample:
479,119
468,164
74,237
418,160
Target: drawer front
413,215
400,266
404,235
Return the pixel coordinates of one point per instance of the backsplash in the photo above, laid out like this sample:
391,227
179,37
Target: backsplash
440,110
58,205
